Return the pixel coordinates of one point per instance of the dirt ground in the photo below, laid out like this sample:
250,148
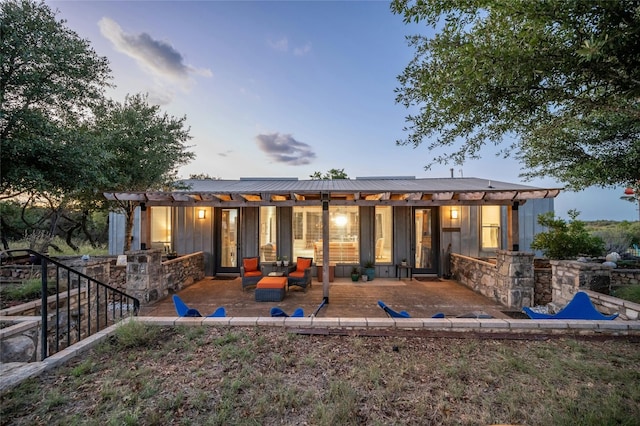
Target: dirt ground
203,375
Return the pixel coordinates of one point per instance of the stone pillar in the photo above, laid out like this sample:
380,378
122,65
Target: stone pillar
144,270
514,278
570,277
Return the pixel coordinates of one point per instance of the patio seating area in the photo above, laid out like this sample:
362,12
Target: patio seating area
347,299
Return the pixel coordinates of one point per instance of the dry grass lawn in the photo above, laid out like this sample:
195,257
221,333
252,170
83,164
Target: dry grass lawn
255,376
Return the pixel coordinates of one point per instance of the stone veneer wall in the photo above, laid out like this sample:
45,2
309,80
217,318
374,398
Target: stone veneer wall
149,279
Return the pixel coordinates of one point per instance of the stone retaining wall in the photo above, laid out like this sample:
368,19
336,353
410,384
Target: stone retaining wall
624,277
149,279
542,286
510,281
569,277
14,346
609,305
478,275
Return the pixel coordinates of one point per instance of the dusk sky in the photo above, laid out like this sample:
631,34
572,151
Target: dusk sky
284,89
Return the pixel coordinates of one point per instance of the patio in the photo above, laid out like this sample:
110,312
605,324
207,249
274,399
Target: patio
347,299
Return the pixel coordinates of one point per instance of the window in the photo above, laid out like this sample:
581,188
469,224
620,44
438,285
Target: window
490,237
160,229
344,246
384,233
268,234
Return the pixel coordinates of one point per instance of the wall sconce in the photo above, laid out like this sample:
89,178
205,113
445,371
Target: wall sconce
454,212
202,213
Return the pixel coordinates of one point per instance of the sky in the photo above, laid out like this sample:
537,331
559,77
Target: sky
286,88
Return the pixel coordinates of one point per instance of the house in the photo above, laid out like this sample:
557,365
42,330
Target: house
383,220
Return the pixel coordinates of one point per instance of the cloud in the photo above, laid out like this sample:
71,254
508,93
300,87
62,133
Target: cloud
154,56
282,45
300,51
285,149
160,96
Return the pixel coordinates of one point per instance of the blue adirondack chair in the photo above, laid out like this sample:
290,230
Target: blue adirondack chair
185,311
391,312
277,312
579,308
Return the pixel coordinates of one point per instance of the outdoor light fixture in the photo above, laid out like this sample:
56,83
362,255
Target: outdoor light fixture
454,212
202,213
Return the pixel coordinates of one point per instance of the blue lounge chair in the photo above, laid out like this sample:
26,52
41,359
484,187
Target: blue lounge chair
184,311
579,308
277,312
391,312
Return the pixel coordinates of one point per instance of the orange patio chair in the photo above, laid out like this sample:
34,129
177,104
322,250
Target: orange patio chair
301,275
250,272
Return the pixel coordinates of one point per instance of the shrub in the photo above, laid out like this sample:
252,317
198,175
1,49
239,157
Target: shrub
135,334
29,290
566,240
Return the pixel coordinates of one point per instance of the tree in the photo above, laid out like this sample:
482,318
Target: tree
330,175
49,79
142,150
563,77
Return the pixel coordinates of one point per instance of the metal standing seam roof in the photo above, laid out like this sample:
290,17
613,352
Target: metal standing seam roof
466,190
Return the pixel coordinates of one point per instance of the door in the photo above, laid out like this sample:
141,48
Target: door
425,241
228,229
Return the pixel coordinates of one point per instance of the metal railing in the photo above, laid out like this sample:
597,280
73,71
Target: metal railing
80,305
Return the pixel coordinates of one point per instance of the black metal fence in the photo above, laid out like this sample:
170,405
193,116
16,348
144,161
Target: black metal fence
79,305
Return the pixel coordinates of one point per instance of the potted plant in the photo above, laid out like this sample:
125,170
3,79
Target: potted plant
285,260
404,262
278,261
370,270
355,274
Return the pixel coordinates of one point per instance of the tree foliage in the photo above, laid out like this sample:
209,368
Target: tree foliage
330,175
62,143
566,240
49,79
561,78
141,147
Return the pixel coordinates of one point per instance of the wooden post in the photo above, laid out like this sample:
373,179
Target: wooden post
325,247
513,226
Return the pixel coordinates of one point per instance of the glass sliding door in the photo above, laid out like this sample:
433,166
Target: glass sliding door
228,231
425,241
